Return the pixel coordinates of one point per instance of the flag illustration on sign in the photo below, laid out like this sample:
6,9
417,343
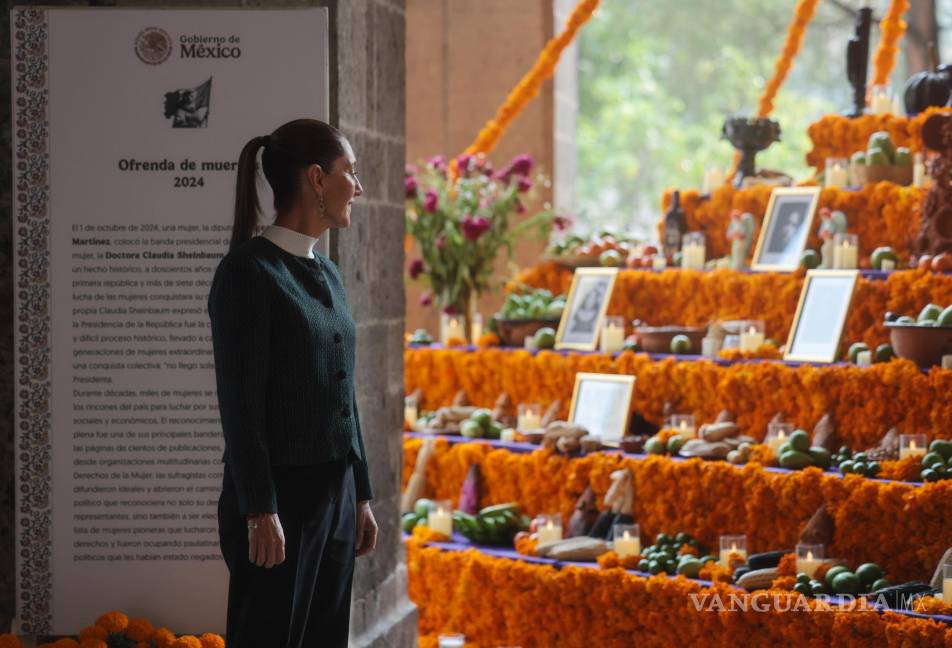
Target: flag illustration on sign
188,107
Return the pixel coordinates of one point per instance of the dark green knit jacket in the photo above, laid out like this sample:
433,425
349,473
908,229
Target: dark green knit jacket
284,344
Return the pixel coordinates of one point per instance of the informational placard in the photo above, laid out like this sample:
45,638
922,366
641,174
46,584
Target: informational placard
128,125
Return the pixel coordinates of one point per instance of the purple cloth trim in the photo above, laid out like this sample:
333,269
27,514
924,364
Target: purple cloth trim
523,448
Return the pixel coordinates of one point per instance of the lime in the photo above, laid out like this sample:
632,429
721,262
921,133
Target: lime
833,572
681,344
932,459
803,588
945,318
860,467
809,259
816,587
690,568
929,312
611,259
881,254
873,468
821,457
663,539
544,338
846,466
423,506
494,432
855,350
554,310
799,441
803,578
930,475
643,565
847,582
869,573
882,583
860,456
654,567
675,443
795,460
482,416
682,537
905,319
408,521
884,353
471,429
654,445
941,447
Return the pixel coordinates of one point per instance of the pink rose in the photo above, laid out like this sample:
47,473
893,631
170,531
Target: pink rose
410,185
521,164
524,184
416,268
430,201
561,223
426,299
474,227
437,162
463,164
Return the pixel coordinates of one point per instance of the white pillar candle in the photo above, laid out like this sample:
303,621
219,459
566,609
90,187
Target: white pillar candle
826,254
733,550
912,445
477,327
751,339
887,265
441,521
452,328
947,584
549,532
947,362
918,174
529,418
659,262
776,441
613,335
627,545
846,252
864,359
808,559
693,256
508,435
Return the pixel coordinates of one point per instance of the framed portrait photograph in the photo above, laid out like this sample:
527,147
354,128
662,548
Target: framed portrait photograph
600,403
787,224
821,315
585,308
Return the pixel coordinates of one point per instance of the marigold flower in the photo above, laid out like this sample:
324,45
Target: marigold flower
93,632
187,641
139,629
212,640
163,638
113,621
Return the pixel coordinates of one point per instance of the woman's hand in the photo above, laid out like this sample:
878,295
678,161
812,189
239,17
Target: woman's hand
366,529
265,539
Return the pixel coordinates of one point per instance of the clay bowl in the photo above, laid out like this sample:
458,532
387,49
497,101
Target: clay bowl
513,333
657,339
924,345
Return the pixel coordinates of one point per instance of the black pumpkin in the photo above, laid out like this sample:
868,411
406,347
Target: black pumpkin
929,88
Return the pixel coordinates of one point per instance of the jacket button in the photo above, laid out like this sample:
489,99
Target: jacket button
337,338
341,374
345,413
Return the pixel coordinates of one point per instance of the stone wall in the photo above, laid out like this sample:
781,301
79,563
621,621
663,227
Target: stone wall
367,101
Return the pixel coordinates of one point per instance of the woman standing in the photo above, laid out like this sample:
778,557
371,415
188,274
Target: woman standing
295,504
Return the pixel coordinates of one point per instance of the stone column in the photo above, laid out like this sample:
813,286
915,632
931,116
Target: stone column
367,103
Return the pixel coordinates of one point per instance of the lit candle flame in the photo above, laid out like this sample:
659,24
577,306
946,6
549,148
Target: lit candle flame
809,555
912,445
627,536
752,330
549,526
733,548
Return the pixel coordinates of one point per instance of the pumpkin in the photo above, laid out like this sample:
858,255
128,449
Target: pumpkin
930,87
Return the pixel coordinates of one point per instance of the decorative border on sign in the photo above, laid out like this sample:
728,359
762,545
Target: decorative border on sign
33,416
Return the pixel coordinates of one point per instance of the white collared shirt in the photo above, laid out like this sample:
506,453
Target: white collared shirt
290,240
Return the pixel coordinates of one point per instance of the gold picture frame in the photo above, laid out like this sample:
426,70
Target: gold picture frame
607,420
588,285
779,246
820,312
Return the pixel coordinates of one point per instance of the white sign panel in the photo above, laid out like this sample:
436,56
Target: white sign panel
127,127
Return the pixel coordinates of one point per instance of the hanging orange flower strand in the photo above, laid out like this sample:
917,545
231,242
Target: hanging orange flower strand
891,29
802,16
528,86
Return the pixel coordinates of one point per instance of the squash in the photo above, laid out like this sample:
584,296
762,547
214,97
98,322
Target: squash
929,87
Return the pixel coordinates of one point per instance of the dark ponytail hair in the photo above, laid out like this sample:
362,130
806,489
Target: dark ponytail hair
289,149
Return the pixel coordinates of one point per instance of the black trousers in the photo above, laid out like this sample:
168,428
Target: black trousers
305,601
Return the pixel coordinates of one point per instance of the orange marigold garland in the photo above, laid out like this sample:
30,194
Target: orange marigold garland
803,14
891,29
528,86
692,298
713,497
